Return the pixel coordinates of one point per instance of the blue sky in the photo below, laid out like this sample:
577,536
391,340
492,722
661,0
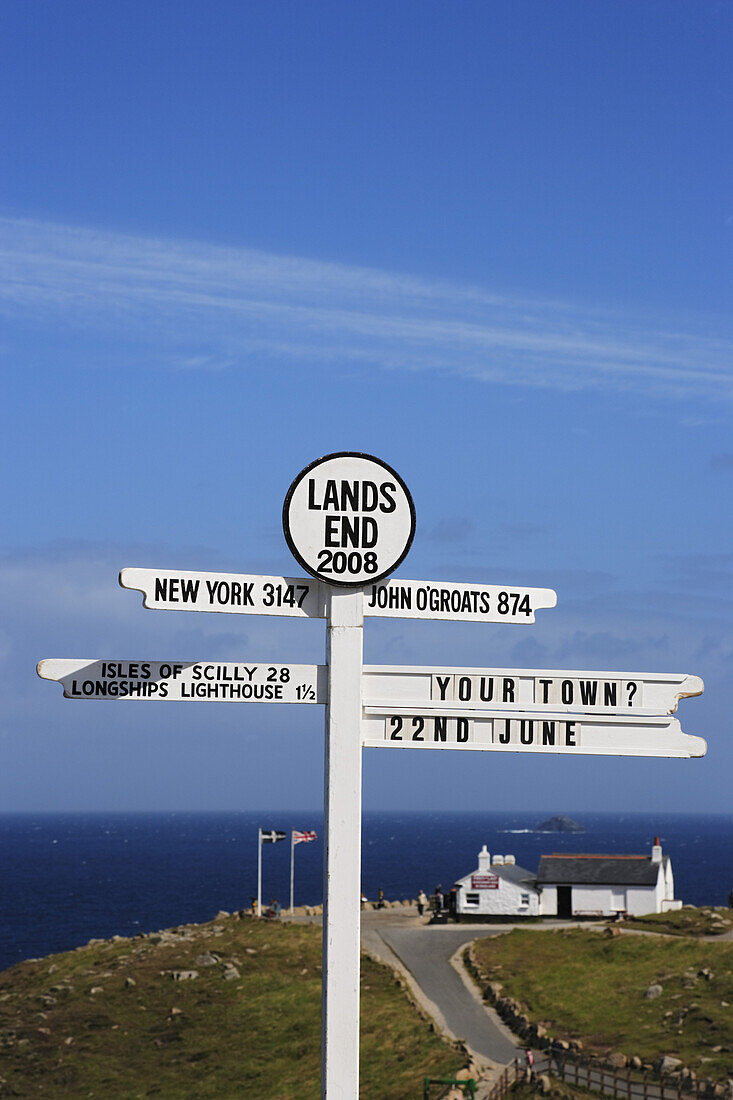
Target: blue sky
489,243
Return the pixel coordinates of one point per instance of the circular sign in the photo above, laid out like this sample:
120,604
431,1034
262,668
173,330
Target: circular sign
349,519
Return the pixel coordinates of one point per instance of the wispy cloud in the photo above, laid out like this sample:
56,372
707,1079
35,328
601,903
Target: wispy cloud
201,307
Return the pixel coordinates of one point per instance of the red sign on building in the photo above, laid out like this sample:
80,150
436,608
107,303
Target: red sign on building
484,882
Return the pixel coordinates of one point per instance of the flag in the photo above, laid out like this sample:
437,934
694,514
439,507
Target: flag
304,838
271,836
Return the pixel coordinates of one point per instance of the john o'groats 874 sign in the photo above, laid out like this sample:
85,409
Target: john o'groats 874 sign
349,519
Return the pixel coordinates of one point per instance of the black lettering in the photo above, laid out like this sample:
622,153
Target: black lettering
461,730
526,731
331,534
369,496
545,690
190,590
548,733
349,531
330,497
349,496
588,692
418,725
567,692
571,733
503,737
387,489
161,588
312,506
486,689
369,532
440,728
442,682
508,693
464,689
609,695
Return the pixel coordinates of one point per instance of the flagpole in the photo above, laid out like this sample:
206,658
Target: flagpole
292,868
259,872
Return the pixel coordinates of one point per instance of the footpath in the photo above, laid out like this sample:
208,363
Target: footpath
428,958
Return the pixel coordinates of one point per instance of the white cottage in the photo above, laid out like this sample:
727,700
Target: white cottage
497,888
605,885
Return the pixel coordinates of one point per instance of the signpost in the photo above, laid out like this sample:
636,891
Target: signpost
178,681
349,520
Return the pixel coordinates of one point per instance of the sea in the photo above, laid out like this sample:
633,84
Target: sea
68,878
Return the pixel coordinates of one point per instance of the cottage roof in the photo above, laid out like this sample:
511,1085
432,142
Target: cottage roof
598,870
512,872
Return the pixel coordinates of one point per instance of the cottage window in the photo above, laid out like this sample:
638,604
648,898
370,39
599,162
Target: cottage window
525,899
471,899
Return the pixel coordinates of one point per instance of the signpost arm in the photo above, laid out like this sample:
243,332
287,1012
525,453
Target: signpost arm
342,877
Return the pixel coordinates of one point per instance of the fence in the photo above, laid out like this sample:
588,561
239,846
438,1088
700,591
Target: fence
588,1074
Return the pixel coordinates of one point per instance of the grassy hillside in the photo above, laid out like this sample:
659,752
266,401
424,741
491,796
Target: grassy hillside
119,1019
581,985
687,921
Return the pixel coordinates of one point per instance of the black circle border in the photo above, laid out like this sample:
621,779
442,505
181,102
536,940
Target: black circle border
286,519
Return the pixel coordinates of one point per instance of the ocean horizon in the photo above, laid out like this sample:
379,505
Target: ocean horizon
67,878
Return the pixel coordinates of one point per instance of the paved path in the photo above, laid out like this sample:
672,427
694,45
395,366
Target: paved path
426,952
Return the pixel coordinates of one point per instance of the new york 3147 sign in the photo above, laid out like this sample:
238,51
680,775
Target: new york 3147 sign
349,519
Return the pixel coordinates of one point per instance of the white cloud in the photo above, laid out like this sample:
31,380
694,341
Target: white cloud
182,298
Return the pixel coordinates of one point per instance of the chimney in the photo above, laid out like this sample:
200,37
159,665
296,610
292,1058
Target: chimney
484,859
656,851
509,861
498,861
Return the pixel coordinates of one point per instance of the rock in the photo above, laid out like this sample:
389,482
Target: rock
222,915
184,975
544,1083
669,1064
250,951
653,991
230,973
176,1011
611,932
129,983
207,959
617,1060
636,1062
96,989
560,823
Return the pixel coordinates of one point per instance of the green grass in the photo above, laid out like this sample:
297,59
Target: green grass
208,1038
582,985
687,921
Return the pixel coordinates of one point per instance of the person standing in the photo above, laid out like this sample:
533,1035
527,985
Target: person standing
422,901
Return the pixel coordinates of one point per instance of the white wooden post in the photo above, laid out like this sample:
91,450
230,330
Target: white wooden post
259,872
292,869
342,865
